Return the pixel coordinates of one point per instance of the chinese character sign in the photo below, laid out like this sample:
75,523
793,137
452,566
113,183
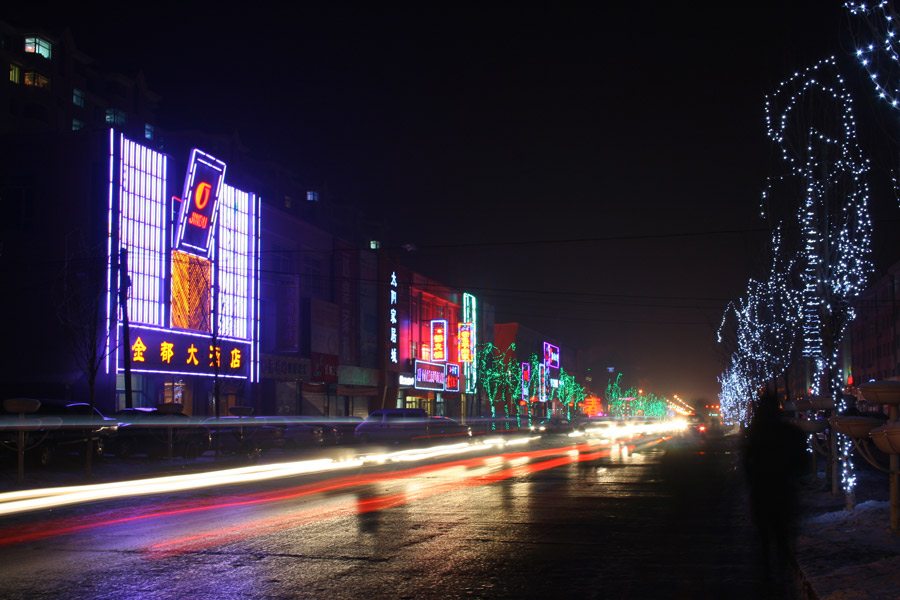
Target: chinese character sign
451,383
464,343
439,340
393,337
186,353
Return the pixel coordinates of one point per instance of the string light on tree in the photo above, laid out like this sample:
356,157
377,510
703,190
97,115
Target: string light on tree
810,118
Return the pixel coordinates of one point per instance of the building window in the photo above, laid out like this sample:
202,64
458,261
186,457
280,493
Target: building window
77,125
312,196
37,45
115,117
374,244
15,73
37,80
77,97
148,131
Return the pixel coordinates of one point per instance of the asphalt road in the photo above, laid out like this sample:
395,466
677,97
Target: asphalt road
665,520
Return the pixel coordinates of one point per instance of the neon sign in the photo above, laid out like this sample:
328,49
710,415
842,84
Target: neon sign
430,376
202,187
175,290
542,382
187,353
464,343
551,355
451,383
439,340
526,381
470,369
393,338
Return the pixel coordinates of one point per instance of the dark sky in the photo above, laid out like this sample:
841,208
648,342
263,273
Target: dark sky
594,169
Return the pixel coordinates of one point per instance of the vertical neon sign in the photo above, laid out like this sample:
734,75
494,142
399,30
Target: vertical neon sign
464,343
470,369
526,381
393,339
439,340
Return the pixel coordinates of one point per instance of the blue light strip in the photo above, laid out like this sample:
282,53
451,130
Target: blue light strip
109,237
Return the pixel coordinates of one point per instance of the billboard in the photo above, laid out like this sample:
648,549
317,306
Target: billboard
192,302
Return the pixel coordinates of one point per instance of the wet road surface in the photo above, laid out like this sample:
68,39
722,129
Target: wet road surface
668,520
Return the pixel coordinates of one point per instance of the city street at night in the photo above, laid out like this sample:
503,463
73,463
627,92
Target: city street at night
651,517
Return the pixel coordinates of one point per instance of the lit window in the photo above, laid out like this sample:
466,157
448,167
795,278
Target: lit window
37,80
77,125
312,196
37,45
148,131
77,97
115,116
374,244
15,73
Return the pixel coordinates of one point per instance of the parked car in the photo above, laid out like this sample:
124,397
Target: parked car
336,430
247,436
392,425
147,431
446,429
57,428
291,433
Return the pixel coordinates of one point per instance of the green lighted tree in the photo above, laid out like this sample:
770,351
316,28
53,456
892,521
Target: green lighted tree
614,397
569,393
500,376
633,402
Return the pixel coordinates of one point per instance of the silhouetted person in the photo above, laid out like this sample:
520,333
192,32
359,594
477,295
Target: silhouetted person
774,460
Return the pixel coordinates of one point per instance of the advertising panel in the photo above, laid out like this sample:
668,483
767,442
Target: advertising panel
439,340
430,376
551,355
451,384
176,352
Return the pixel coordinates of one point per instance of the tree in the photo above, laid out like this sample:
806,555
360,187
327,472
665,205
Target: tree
82,315
500,376
823,193
570,393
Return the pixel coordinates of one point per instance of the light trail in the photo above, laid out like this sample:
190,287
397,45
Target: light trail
44,498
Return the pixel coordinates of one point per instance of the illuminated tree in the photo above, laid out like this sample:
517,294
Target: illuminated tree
614,398
633,402
821,194
500,376
766,334
570,393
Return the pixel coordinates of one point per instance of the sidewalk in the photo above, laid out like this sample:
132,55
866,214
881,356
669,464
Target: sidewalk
842,555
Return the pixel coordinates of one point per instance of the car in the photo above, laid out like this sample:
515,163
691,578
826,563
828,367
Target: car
555,425
57,428
445,429
149,431
392,425
291,433
240,435
597,424
336,430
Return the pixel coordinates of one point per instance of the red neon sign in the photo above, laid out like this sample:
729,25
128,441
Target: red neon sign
464,343
439,340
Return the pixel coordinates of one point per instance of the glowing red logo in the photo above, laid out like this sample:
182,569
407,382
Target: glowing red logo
201,195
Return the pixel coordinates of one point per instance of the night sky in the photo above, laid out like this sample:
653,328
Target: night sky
593,169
